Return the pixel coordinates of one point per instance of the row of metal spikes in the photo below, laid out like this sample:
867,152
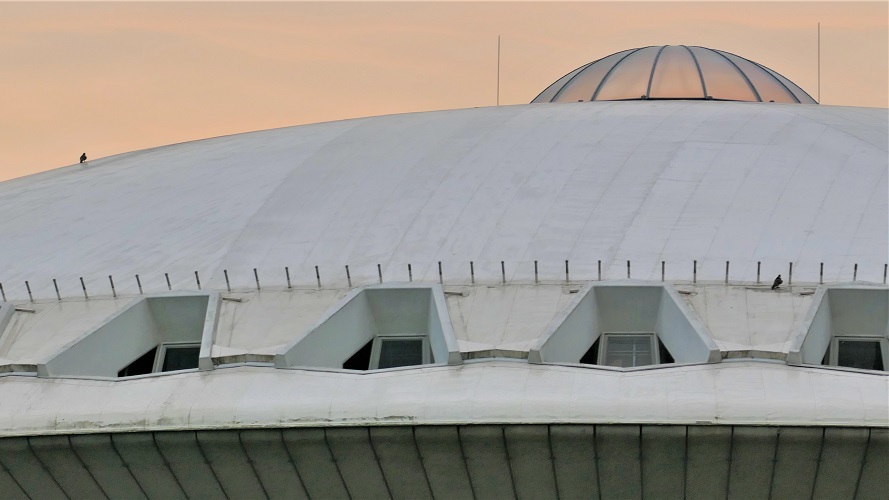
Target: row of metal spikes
410,275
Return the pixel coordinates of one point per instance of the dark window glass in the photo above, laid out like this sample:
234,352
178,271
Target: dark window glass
181,358
592,355
860,354
665,355
361,359
400,352
627,351
141,366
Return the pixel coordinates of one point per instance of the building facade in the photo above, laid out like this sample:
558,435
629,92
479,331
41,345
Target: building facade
556,300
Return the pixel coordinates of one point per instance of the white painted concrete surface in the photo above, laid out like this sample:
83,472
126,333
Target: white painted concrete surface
610,181
491,392
640,181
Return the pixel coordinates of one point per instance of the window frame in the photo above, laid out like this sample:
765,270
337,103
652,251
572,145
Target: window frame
378,345
834,349
652,336
161,355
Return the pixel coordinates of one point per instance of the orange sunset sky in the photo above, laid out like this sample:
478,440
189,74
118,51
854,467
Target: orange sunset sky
107,78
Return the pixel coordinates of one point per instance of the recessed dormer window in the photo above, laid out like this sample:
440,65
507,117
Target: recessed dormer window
164,358
848,328
378,327
852,352
152,334
625,326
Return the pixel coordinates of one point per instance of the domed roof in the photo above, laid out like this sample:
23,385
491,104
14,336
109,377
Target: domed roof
646,181
674,72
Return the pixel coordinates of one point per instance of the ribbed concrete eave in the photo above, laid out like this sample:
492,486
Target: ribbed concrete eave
488,461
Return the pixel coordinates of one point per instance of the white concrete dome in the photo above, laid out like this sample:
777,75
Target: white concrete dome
382,308
672,181
674,72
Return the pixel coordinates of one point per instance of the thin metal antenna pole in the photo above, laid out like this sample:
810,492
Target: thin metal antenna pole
819,62
498,70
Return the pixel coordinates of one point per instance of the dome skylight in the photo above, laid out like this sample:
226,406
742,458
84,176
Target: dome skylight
674,72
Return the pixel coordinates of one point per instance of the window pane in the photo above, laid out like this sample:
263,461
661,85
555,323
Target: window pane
629,80
860,354
664,353
723,80
583,86
627,351
547,95
361,359
769,88
181,358
591,357
141,366
400,352
676,75
797,91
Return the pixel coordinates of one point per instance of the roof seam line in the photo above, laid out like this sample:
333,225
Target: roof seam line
700,73
741,72
565,85
653,67
605,78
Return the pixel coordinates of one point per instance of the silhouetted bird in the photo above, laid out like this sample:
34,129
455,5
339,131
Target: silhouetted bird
777,282
83,158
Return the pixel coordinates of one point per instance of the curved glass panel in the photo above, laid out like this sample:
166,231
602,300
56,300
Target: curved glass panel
629,80
674,72
676,76
800,94
547,95
769,88
723,80
582,87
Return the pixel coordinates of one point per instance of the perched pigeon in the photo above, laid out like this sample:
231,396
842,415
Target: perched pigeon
777,282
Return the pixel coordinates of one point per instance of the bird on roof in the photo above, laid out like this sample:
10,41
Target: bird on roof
83,158
777,282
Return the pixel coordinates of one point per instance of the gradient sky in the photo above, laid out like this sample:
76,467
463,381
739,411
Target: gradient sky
108,78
